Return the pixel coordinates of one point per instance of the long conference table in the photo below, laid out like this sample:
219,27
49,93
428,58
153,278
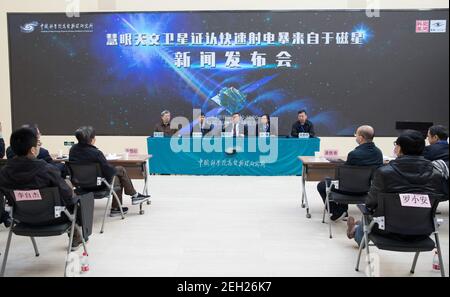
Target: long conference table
255,156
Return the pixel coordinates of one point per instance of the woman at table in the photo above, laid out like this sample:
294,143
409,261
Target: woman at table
264,126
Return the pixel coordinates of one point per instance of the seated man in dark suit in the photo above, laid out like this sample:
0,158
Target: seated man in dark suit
409,173
237,128
302,125
201,125
366,154
438,148
25,171
85,151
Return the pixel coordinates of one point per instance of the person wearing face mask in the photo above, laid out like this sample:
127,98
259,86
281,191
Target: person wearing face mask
438,148
26,171
365,154
410,172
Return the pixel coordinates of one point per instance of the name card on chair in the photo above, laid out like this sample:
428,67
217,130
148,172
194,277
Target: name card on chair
31,195
415,200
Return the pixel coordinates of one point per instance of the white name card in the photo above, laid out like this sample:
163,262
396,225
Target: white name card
264,134
415,200
197,135
303,135
31,195
227,134
158,134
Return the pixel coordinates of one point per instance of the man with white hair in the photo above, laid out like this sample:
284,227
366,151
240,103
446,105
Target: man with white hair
366,154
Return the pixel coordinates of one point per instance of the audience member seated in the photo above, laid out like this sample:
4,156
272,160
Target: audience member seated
2,143
409,173
366,154
438,148
237,128
25,171
164,125
43,153
85,151
302,125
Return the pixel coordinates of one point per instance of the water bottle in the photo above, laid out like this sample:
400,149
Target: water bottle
436,264
84,263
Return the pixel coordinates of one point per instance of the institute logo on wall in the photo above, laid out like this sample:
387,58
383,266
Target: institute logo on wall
438,26
431,26
29,27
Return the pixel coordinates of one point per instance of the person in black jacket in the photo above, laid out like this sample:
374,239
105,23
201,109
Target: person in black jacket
25,171
85,151
43,153
366,154
2,143
201,125
2,147
409,173
438,148
302,125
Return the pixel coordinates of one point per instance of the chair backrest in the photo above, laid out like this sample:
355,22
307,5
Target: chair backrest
355,179
35,206
408,214
85,175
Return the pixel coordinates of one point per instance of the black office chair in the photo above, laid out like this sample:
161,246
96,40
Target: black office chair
40,213
390,216
88,177
354,184
3,163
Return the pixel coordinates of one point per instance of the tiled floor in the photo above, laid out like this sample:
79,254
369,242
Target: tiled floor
218,226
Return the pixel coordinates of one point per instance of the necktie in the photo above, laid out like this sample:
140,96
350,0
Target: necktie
234,130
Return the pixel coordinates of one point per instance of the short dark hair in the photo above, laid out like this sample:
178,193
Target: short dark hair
22,140
85,134
302,111
411,142
440,131
235,113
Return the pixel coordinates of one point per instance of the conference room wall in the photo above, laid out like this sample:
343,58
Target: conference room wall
119,143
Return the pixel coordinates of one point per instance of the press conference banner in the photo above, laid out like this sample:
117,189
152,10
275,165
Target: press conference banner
269,156
118,71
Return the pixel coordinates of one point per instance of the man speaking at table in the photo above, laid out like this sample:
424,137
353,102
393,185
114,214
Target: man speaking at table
164,125
302,125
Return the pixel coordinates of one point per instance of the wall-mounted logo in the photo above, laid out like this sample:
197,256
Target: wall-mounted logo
438,26
431,26
422,26
29,27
